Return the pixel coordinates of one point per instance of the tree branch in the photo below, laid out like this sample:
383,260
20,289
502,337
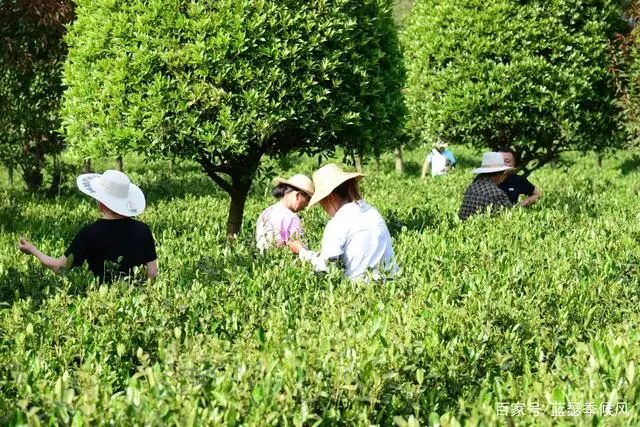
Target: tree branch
540,162
235,168
221,182
212,171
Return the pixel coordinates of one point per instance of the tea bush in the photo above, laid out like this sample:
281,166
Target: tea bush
537,306
534,74
228,83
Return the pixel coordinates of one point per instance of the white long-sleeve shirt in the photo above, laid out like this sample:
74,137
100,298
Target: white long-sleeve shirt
438,162
358,236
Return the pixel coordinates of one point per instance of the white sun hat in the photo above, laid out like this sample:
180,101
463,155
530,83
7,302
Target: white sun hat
328,178
114,190
299,181
440,144
492,162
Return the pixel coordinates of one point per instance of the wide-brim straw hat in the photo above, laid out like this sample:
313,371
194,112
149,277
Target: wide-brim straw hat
299,181
492,162
328,178
115,190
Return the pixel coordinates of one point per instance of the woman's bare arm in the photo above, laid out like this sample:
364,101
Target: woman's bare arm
53,264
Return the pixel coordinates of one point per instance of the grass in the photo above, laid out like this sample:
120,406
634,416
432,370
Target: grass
536,307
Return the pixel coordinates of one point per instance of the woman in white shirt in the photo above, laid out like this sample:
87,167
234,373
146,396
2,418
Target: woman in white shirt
277,223
440,159
356,235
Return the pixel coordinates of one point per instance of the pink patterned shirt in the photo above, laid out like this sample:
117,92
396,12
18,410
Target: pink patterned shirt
276,225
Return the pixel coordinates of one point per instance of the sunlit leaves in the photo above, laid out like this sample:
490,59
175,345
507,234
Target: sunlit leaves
538,305
224,78
531,74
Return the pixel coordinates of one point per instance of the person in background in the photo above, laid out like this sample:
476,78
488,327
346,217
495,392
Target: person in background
113,245
440,158
356,235
277,223
483,192
515,185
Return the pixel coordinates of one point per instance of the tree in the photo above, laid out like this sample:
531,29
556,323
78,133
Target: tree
531,74
626,68
401,10
31,33
226,82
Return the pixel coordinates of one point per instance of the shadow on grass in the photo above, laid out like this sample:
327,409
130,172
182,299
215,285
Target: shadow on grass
465,161
409,168
412,168
576,208
158,181
413,220
37,283
177,183
630,165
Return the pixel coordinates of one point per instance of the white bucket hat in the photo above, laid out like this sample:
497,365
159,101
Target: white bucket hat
492,162
114,190
440,144
327,178
299,181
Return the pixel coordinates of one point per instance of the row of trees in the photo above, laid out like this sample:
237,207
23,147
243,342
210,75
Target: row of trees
32,36
228,82
31,33
532,74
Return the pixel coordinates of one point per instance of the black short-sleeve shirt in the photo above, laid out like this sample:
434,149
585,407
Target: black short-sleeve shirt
515,185
118,244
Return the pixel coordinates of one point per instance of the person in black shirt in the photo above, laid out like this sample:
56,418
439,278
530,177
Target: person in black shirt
114,244
515,185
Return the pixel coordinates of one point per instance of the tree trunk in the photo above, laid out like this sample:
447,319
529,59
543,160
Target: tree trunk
119,165
86,166
378,164
10,171
57,177
238,189
359,164
398,156
33,178
599,161
236,207
33,165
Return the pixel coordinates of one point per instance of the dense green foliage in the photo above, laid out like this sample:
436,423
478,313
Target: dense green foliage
226,82
31,35
537,305
532,74
627,70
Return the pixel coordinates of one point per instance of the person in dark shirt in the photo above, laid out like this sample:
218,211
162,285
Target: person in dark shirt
483,193
114,244
515,185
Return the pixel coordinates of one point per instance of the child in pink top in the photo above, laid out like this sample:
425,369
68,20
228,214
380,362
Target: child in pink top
279,222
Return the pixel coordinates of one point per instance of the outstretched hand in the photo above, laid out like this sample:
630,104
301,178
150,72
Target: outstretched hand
26,246
295,246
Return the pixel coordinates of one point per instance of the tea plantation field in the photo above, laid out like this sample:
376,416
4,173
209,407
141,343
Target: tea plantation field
526,319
